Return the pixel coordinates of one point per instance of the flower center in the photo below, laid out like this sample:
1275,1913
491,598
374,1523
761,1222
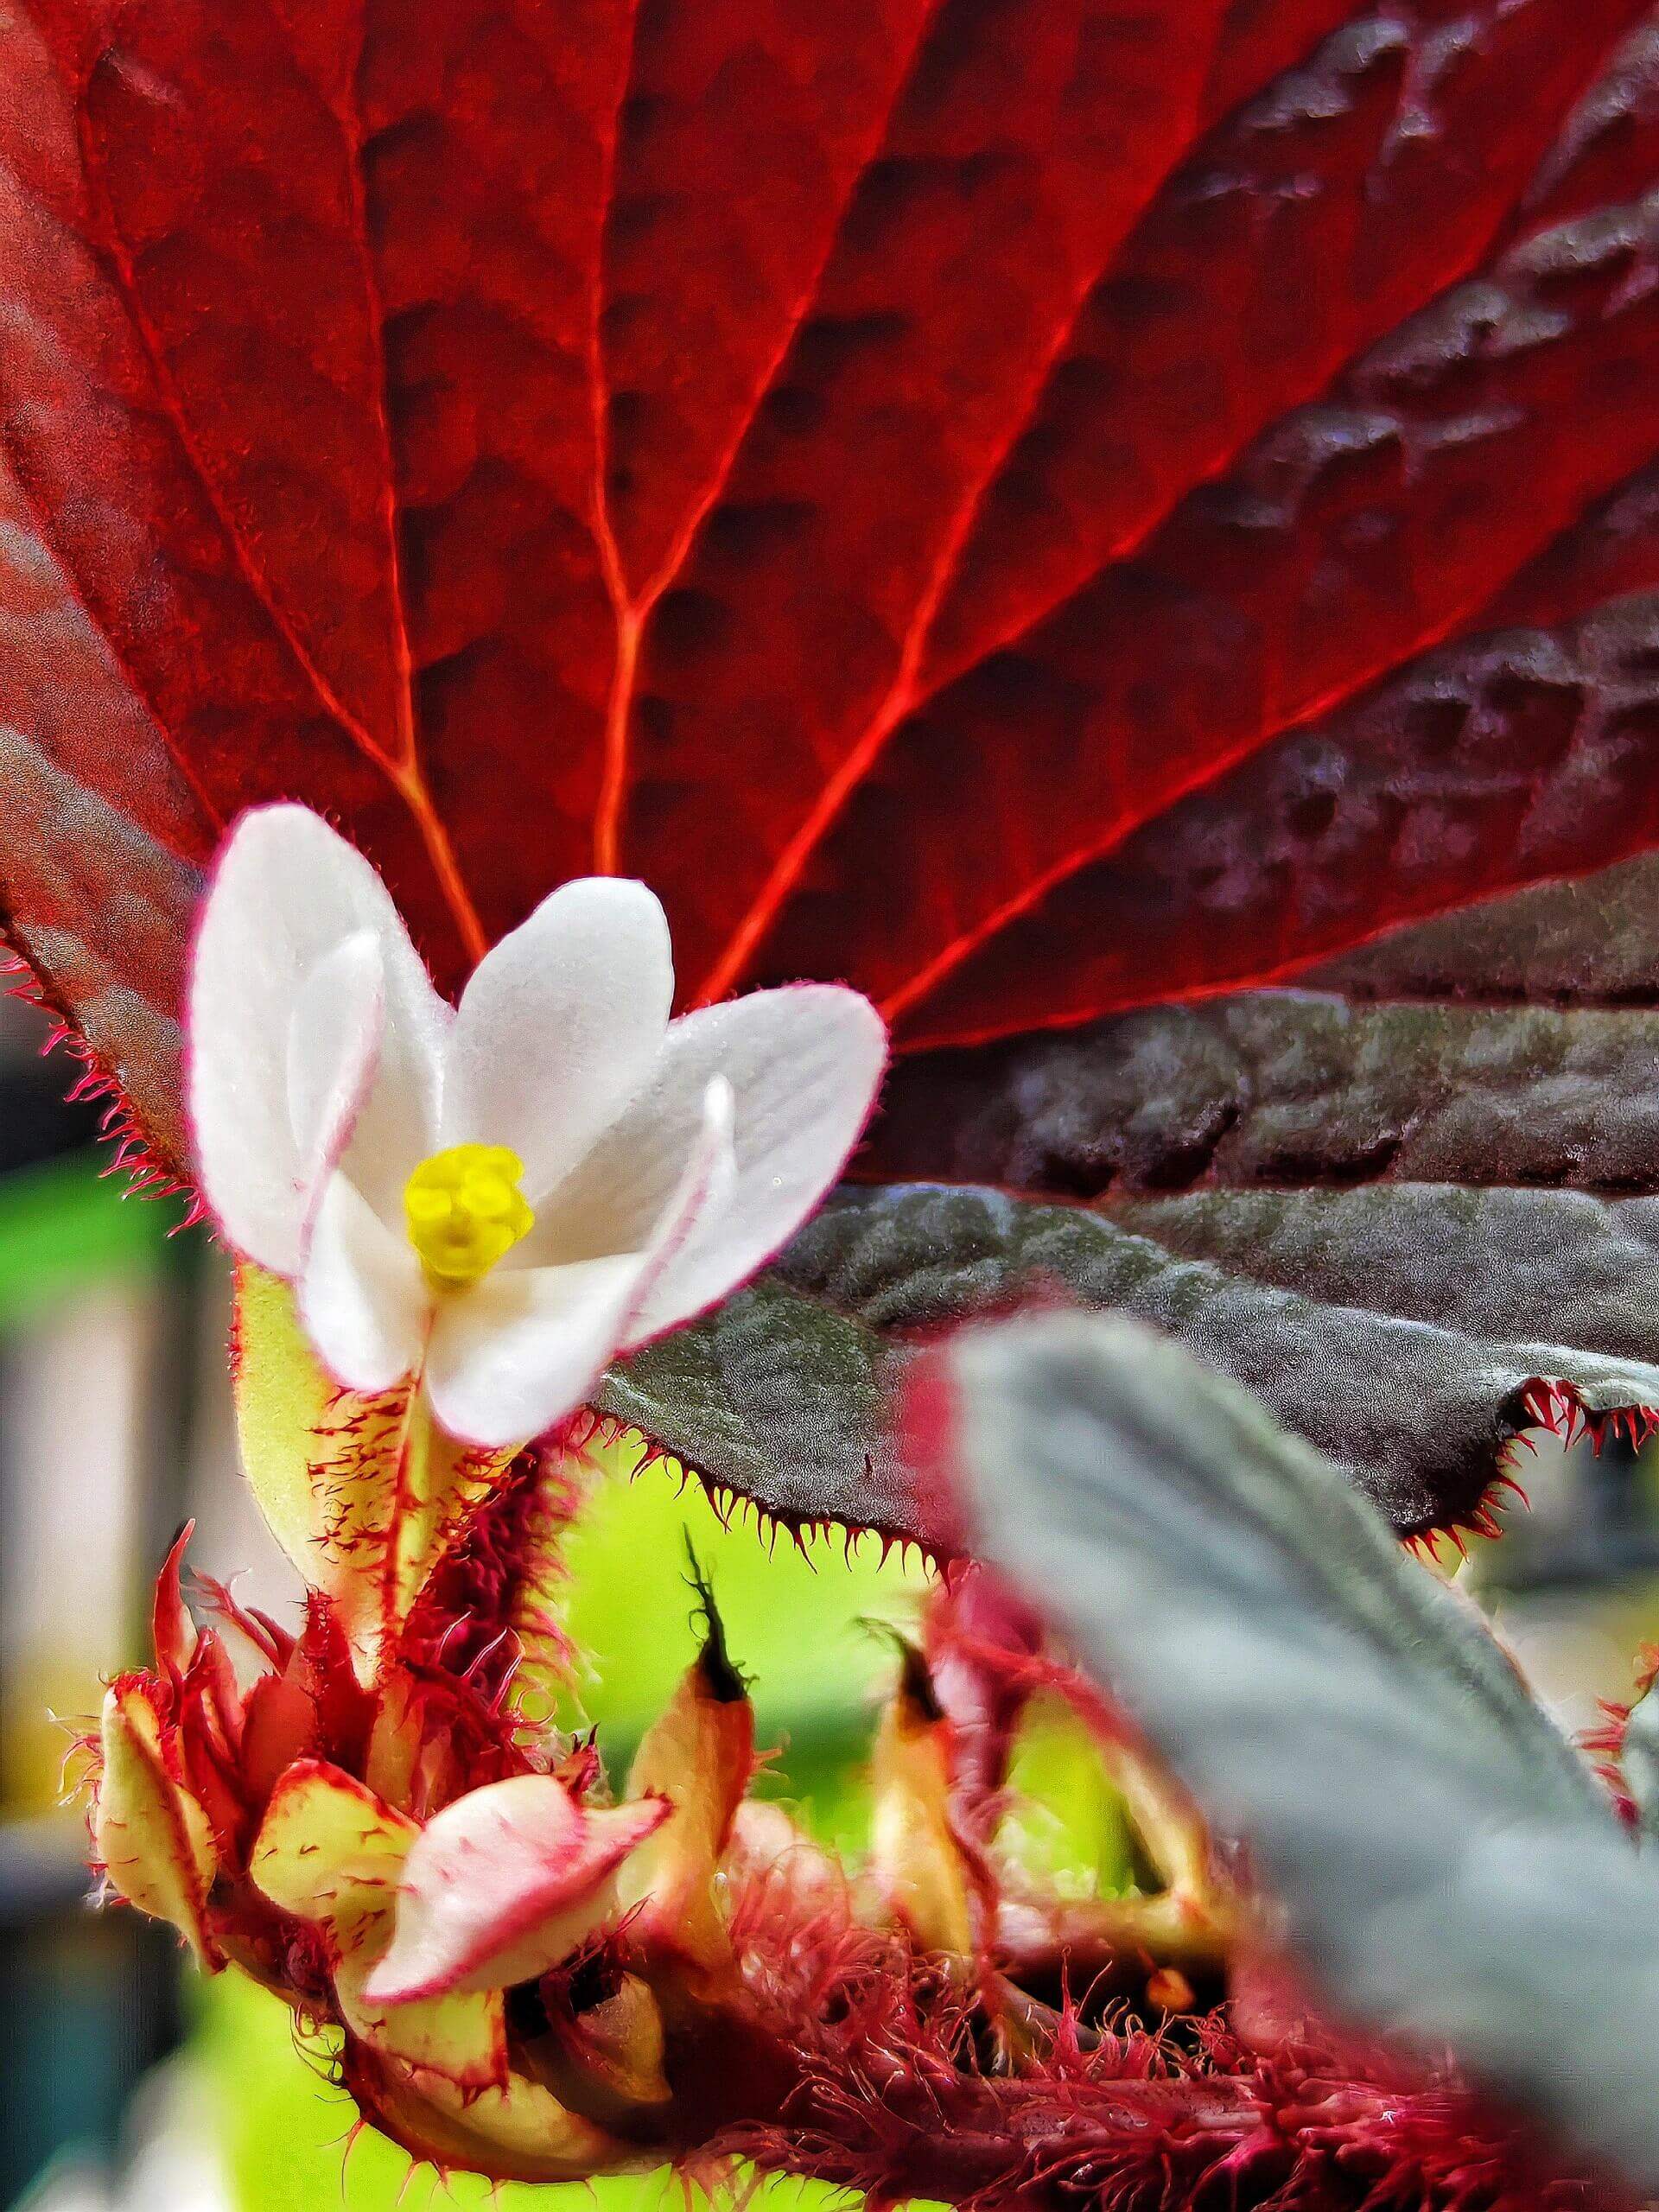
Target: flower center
465,1209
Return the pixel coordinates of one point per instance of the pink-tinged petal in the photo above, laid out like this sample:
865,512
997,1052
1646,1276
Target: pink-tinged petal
463,2037
561,1022
333,1051
521,1348
699,1202
707,1185
502,1884
804,1065
362,1299
515,1354
332,1853
151,1835
287,892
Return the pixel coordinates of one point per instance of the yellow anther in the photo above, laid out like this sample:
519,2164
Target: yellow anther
465,1209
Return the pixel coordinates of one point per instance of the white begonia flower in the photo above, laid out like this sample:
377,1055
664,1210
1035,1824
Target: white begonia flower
503,1196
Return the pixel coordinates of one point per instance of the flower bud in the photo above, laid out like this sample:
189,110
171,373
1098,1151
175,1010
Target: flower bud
921,1868
699,1756
151,1835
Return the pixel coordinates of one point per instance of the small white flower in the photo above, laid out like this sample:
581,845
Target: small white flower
503,1196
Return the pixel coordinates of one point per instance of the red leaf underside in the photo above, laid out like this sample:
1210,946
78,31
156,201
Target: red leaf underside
873,478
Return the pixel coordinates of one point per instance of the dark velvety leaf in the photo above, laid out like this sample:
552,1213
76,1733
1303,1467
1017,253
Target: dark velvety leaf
1594,941
757,1395
1400,1207
780,1400
1443,1874
1279,1090
1416,1140
756,448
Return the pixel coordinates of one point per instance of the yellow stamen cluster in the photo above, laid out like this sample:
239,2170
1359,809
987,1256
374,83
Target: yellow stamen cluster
465,1211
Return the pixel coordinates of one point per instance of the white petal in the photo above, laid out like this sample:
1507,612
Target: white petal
363,1297
700,1200
804,1065
334,1045
521,1348
287,890
559,1025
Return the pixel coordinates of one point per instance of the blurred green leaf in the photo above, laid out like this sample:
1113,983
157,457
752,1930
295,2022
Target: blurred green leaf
795,1619
1447,1866
63,1226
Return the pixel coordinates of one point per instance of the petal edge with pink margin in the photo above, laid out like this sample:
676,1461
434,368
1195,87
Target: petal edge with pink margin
490,1871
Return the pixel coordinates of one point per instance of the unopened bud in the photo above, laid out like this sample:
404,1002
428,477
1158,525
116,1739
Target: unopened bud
918,1859
605,2061
699,1756
151,1835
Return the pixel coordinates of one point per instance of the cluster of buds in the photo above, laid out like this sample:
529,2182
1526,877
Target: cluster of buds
526,1975
509,1958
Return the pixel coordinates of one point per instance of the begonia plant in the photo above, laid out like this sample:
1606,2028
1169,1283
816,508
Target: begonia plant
1112,547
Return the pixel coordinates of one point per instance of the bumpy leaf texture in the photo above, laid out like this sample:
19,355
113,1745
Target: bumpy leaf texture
1036,507
1409,1201
863,470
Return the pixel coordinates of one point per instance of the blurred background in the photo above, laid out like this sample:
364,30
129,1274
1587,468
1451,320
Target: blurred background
132,2085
